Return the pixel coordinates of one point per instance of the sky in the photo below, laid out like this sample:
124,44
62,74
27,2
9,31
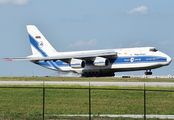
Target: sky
72,25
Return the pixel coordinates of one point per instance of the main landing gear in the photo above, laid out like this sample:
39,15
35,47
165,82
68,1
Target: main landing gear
148,73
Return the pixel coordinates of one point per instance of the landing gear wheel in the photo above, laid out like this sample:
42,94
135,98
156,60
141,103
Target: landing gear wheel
148,73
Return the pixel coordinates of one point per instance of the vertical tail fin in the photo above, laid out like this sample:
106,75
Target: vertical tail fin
39,44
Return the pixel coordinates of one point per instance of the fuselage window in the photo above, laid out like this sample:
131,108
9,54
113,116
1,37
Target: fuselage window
153,50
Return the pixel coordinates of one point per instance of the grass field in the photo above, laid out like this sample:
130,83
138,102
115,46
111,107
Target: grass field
24,102
82,79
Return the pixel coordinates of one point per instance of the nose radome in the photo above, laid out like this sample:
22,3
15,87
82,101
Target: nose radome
169,60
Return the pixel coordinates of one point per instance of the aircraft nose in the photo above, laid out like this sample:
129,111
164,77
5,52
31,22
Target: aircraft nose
169,60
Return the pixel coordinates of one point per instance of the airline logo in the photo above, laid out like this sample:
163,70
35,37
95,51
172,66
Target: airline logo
40,44
37,37
132,59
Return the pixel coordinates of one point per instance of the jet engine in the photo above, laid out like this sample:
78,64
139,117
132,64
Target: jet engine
100,61
77,63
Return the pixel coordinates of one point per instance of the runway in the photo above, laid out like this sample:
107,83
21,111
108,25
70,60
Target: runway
94,83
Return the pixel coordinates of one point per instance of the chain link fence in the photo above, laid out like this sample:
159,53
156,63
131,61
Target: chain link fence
77,102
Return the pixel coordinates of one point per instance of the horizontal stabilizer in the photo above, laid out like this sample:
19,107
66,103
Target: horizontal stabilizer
16,59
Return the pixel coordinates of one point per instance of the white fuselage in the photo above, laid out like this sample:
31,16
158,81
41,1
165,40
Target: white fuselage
94,62
128,59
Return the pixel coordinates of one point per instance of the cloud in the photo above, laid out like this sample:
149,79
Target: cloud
164,42
120,46
81,43
14,2
3,1
136,44
138,10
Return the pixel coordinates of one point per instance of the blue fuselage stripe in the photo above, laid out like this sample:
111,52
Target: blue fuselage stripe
53,65
143,59
119,60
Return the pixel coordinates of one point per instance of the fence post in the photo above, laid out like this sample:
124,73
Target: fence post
144,103
43,102
89,102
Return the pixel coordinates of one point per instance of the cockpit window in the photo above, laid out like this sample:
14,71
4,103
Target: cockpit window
153,50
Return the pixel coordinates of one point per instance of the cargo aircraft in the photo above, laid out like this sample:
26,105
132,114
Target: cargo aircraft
92,63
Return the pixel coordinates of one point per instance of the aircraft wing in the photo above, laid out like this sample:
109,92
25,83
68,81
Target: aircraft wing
83,55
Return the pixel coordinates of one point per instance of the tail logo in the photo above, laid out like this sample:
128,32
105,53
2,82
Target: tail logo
41,44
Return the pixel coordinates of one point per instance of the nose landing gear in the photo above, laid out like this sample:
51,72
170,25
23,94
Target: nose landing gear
148,73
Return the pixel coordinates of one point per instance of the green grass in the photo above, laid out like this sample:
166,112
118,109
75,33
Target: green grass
27,103
83,79
99,118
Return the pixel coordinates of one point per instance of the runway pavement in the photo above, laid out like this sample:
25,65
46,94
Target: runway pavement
94,83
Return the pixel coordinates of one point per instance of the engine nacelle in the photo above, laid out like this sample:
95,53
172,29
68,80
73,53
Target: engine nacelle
100,61
77,63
